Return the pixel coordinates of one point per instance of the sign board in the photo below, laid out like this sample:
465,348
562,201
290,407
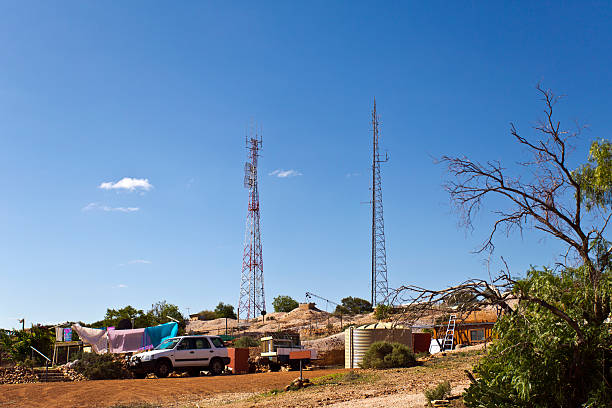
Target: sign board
299,355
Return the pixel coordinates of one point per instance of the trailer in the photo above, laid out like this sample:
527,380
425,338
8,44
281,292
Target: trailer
276,350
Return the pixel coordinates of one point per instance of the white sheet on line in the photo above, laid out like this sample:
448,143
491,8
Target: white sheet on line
96,337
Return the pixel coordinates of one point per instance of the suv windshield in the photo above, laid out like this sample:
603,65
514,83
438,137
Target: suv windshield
167,344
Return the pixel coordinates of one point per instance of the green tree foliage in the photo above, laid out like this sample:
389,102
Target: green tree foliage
284,304
207,315
382,354
225,311
114,316
353,305
17,344
158,314
539,360
595,177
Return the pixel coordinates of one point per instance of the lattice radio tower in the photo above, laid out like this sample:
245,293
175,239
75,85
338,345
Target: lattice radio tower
380,286
252,301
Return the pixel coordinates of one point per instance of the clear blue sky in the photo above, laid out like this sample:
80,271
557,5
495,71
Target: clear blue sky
94,92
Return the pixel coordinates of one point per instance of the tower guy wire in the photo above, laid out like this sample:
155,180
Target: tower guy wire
380,285
252,301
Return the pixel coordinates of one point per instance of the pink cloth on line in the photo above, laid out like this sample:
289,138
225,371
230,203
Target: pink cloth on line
125,341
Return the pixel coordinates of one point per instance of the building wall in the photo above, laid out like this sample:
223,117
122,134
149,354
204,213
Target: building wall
483,332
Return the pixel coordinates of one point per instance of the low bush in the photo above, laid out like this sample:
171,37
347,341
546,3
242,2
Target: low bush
382,312
440,391
101,367
245,342
383,354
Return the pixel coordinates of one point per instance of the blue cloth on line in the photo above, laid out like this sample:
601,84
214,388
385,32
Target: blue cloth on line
156,334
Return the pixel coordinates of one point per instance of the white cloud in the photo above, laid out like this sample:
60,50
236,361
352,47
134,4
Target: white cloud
280,173
121,286
127,183
139,261
136,261
349,175
102,207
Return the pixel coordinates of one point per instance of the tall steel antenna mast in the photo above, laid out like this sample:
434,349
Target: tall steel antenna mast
252,301
380,286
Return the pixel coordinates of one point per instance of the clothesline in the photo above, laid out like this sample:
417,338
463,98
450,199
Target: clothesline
125,341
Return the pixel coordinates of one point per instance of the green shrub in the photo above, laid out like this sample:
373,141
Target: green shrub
245,342
382,312
383,354
440,391
101,367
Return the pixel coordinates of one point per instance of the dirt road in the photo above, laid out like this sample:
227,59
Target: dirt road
161,391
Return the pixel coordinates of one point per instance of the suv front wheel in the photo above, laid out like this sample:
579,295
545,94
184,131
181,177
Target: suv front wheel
163,368
216,366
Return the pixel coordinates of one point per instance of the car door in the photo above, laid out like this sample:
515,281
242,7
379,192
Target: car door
185,353
203,350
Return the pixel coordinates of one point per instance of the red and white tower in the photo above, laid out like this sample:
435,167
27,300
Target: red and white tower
252,302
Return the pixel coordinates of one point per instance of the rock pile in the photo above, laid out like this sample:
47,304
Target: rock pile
298,383
17,375
69,372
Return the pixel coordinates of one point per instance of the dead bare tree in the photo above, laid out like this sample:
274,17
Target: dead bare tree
547,196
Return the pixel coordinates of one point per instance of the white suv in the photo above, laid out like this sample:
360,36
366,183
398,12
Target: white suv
185,353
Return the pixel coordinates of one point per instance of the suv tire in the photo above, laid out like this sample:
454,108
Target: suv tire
163,368
216,366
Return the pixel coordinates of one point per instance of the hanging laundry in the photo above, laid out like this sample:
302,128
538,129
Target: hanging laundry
59,334
126,341
96,337
156,334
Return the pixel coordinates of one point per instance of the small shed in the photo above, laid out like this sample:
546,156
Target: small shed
471,328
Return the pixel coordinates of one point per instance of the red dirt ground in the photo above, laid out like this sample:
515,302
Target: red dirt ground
167,390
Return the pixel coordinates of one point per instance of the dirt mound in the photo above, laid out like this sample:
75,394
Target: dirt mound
309,322
334,342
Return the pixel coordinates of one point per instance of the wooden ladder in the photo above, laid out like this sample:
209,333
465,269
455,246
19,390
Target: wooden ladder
449,337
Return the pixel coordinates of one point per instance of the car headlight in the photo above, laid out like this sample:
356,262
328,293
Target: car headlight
145,358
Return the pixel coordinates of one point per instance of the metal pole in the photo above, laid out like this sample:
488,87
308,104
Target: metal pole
301,378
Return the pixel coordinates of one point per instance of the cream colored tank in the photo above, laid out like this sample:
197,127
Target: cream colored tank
356,343
357,340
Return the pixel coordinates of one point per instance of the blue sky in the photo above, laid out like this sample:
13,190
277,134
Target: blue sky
95,92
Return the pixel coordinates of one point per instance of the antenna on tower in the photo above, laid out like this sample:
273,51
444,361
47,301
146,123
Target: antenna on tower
380,285
252,301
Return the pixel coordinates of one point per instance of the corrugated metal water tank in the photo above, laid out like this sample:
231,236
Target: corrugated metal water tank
359,339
